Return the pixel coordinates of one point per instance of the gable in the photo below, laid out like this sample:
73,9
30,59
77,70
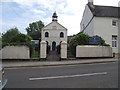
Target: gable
54,25
86,18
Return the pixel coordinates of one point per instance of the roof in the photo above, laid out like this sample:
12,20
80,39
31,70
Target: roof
104,11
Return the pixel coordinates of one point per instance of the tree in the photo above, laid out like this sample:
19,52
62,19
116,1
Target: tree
14,37
21,39
7,37
34,29
79,39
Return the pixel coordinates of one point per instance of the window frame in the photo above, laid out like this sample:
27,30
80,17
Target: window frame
114,22
46,34
114,41
61,35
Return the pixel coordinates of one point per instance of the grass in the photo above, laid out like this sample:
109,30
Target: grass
35,54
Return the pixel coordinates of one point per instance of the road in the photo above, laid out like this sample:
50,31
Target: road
104,75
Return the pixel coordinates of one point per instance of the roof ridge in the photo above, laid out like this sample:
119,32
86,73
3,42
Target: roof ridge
106,6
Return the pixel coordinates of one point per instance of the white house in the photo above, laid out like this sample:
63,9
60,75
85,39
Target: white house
54,33
101,21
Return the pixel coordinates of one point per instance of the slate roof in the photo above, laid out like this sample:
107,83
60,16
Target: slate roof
104,11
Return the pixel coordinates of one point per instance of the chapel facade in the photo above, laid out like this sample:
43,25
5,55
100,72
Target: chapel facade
54,33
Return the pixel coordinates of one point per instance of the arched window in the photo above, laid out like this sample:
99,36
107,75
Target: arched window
61,34
46,34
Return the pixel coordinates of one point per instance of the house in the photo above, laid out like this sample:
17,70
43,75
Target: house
101,21
54,33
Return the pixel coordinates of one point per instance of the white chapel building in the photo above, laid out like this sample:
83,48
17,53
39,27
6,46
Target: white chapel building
54,33
101,21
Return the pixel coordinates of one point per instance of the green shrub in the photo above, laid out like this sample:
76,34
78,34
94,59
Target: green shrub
48,49
79,39
58,49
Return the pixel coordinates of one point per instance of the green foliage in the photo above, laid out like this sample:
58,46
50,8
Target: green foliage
14,37
69,54
7,37
34,54
21,38
48,49
102,43
58,49
34,29
79,39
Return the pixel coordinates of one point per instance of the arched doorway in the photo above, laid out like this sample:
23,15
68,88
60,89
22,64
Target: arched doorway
53,46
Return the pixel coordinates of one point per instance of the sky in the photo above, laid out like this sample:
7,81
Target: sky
20,13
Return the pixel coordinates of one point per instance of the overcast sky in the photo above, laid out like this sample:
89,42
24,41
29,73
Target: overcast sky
20,13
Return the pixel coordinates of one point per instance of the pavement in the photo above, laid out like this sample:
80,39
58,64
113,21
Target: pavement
53,56
34,63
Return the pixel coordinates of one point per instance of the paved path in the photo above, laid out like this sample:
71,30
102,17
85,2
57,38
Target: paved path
14,64
53,56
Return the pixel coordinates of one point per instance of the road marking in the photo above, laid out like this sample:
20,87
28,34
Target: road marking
68,76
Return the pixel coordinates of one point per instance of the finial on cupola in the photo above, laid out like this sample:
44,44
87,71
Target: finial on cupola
54,17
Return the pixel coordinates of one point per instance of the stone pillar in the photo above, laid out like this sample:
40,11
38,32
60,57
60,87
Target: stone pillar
63,50
43,49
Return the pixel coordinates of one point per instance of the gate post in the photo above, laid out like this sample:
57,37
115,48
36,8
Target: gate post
63,50
43,49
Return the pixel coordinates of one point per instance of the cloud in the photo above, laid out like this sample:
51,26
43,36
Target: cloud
69,12
37,11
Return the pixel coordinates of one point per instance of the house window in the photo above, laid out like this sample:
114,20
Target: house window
46,34
114,41
61,34
114,23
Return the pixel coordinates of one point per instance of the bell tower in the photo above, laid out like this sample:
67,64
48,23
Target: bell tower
54,17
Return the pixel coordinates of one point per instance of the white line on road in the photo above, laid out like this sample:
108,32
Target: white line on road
68,76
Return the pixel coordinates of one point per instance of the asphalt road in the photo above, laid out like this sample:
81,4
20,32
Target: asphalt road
74,76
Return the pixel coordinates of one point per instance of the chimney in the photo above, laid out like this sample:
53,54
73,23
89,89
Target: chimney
90,2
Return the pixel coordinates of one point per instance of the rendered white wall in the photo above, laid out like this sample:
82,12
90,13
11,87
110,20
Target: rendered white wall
87,21
93,51
63,50
15,52
103,27
43,49
54,33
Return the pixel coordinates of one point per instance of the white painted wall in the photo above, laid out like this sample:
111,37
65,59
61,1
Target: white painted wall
87,21
103,27
63,50
54,33
43,49
93,51
15,52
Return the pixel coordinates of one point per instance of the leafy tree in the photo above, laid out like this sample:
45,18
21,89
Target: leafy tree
34,29
79,39
21,39
7,37
14,37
